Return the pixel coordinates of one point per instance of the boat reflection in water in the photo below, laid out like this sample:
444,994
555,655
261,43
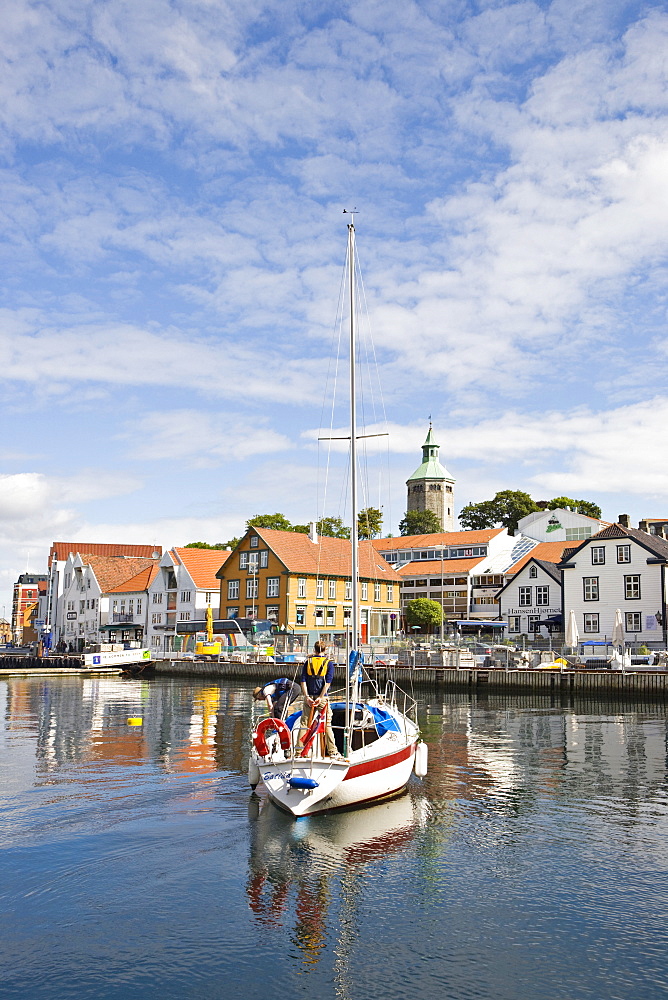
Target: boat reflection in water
300,871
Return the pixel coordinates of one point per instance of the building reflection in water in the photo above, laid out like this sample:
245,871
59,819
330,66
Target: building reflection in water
297,869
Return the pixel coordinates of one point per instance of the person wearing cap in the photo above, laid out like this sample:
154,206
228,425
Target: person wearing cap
317,677
278,694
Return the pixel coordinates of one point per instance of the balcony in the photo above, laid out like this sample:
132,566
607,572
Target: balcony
120,617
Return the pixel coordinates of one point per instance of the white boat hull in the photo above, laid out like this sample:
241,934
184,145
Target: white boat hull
375,772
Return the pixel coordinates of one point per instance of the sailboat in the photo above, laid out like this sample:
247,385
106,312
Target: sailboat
375,728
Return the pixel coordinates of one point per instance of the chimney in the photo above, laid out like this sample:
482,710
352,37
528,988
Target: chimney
642,526
312,533
624,520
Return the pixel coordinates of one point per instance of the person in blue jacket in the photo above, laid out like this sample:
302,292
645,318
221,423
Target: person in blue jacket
278,694
317,677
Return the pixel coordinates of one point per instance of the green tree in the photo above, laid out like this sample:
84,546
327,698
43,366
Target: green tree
205,545
333,527
419,522
278,522
369,522
505,510
579,506
424,612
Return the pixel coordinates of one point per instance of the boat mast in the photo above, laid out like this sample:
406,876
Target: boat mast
353,439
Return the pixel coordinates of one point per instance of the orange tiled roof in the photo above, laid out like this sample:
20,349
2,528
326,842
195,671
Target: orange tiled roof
140,582
439,539
203,564
547,551
112,571
61,550
429,567
326,557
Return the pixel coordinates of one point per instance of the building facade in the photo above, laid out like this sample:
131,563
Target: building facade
618,568
302,583
29,589
531,596
431,487
559,526
181,591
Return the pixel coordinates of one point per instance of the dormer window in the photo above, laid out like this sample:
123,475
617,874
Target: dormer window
533,573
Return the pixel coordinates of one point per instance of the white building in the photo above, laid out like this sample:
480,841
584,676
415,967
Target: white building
531,596
623,568
83,609
559,526
182,590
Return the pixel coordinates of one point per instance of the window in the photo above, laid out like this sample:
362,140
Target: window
331,616
264,558
514,623
390,591
82,606
185,595
533,573
347,613
525,597
331,593
597,556
577,534
251,587
591,623
114,607
301,616
632,587
376,591
272,612
184,616
532,623
232,590
320,589
207,597
232,612
273,583
139,605
542,597
623,553
122,607
348,591
632,623
319,615
301,587
157,598
131,607
250,611
243,560
156,619
252,562
590,588
254,541
365,591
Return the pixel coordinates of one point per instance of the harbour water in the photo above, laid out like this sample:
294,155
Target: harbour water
531,862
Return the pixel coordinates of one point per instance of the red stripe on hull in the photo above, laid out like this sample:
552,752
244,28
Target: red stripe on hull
379,763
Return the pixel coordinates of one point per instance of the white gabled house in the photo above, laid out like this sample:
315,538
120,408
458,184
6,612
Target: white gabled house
182,590
530,597
623,568
559,525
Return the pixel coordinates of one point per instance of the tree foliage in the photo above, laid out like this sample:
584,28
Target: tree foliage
219,545
332,527
369,522
278,522
579,506
424,612
505,510
419,522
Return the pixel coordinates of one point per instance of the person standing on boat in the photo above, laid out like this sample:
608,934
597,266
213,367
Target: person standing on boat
278,694
317,677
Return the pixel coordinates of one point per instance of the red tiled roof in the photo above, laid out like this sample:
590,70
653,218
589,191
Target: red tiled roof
551,552
138,583
465,538
430,566
61,550
326,557
203,564
112,571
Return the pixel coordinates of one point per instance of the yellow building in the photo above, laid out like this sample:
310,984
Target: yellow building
305,585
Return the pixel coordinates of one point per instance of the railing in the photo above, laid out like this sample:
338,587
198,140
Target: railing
118,616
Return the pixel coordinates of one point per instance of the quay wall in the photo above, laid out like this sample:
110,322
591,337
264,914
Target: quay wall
650,684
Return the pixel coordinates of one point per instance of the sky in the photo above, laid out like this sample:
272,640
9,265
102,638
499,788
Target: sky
174,176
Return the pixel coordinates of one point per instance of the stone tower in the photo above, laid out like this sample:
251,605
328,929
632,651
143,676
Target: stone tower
431,487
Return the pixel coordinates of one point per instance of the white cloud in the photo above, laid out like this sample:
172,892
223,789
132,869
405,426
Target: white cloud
205,438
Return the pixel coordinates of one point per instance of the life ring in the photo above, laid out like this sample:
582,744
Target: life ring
259,739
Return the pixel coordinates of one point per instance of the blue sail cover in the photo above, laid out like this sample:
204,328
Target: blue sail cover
384,722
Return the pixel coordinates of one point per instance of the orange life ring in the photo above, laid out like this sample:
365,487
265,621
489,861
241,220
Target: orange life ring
259,739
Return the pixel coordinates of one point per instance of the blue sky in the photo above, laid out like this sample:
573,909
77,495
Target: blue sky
173,180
